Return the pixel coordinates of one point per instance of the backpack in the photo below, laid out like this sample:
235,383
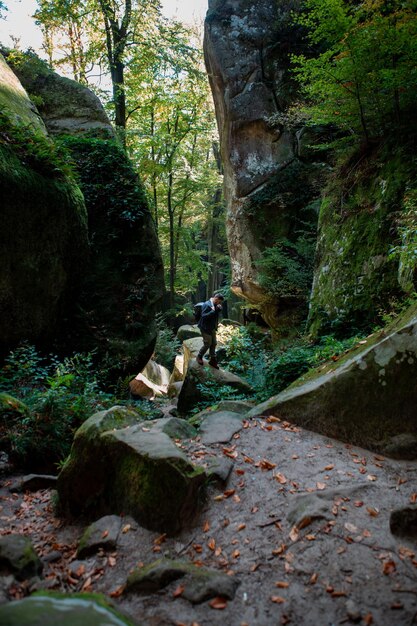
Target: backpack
197,311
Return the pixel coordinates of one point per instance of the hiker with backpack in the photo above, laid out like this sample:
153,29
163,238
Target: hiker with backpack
208,322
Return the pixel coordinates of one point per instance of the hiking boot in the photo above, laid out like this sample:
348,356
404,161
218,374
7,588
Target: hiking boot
213,363
200,360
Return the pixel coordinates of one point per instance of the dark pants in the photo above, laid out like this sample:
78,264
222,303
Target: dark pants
210,343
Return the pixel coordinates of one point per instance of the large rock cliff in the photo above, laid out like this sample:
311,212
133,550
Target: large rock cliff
274,185
122,271
43,235
270,179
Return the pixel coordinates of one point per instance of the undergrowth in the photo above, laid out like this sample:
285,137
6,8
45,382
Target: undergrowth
43,400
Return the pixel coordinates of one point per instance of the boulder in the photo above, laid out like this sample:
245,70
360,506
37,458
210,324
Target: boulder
174,389
197,375
178,371
367,398
174,427
43,250
220,426
100,534
18,557
152,381
191,348
188,331
157,374
115,467
199,583
122,269
74,609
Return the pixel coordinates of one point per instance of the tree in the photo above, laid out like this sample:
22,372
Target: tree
361,69
170,133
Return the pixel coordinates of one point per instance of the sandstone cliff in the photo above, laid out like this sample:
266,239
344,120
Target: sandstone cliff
276,185
270,179
122,269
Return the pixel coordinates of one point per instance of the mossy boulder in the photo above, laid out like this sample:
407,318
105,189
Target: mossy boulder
43,239
51,609
18,557
123,270
357,277
198,376
117,467
367,398
66,107
199,583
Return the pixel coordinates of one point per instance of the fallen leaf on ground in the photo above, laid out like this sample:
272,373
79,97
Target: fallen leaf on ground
117,592
329,467
212,544
206,526
277,599
294,533
389,567
413,498
321,486
313,578
218,603
104,534
282,584
241,526
228,493
178,591
160,539
280,478
371,477
368,619
126,528
264,464
372,512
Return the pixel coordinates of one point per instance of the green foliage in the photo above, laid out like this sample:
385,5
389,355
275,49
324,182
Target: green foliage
107,178
270,370
34,149
212,391
58,394
406,250
360,71
286,269
167,345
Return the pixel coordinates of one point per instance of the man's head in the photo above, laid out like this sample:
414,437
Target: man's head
218,298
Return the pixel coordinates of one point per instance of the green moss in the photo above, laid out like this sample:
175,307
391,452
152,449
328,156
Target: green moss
14,99
356,275
43,244
50,608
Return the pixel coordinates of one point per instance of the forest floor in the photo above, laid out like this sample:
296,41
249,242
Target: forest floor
335,562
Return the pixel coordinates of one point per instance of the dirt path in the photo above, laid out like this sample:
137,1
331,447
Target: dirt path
341,564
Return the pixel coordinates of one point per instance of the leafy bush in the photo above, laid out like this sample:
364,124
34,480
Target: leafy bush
44,401
270,370
167,345
286,269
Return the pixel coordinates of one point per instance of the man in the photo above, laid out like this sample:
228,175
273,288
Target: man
208,323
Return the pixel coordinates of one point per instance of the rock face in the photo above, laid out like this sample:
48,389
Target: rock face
268,180
122,270
43,236
17,556
115,467
191,393
368,398
66,107
62,609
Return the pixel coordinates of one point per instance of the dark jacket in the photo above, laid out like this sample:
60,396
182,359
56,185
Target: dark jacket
209,319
